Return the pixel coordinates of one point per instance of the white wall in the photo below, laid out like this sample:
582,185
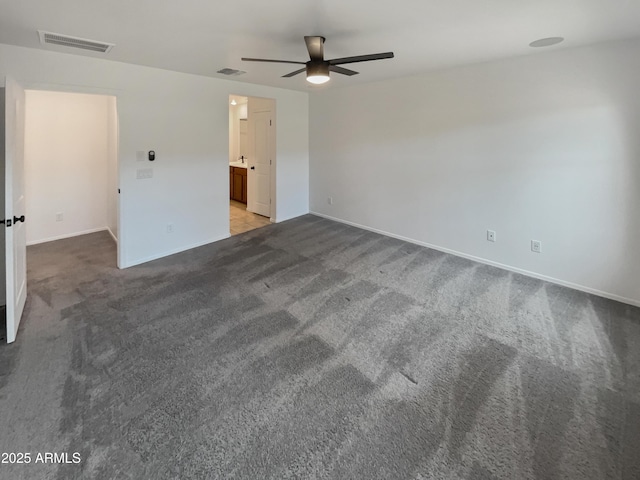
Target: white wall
542,147
234,133
236,113
66,153
184,118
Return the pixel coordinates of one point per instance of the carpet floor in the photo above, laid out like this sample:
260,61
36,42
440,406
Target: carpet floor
312,349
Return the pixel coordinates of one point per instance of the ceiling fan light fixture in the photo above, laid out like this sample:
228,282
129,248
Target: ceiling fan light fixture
318,72
318,79
317,68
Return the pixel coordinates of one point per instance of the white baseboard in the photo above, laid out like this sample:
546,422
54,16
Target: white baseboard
284,219
67,235
115,239
575,286
140,261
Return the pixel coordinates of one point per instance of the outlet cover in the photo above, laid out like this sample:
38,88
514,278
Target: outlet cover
491,235
330,200
59,217
536,246
169,227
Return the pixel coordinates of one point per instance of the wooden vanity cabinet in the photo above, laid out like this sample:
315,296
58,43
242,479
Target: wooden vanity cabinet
238,184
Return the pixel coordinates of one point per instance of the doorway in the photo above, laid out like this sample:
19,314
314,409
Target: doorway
71,165
252,162
59,155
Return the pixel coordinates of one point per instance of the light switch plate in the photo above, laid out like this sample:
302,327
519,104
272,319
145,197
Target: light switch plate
141,156
143,173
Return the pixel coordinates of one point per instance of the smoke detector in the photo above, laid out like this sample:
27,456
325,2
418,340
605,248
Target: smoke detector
546,42
231,72
74,42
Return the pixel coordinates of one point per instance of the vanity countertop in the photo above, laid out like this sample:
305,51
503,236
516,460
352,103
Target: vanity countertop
238,164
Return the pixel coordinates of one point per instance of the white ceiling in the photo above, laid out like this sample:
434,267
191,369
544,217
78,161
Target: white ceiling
203,36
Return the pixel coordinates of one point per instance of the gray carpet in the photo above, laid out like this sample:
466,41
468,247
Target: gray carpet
312,349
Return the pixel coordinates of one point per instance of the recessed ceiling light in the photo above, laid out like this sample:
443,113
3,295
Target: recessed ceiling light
546,42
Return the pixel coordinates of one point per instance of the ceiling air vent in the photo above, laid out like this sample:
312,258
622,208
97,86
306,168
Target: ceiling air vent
231,72
75,42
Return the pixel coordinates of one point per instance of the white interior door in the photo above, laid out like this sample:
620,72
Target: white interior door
15,232
259,173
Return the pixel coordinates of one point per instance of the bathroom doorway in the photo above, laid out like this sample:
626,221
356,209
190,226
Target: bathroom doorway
252,162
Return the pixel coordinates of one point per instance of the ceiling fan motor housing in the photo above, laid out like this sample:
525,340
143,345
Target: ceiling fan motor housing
317,68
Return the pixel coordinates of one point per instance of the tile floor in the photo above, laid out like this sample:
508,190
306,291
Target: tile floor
243,221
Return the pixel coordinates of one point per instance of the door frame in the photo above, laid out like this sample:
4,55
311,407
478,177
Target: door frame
73,89
273,190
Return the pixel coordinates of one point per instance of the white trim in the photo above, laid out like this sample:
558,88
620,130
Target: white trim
115,239
67,235
575,286
284,219
140,261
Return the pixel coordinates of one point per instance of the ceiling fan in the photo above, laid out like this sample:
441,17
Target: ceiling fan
318,68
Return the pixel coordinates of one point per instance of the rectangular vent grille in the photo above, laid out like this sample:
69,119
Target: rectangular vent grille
231,72
74,42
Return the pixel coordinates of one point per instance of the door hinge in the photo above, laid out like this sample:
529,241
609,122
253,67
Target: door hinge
269,122
269,161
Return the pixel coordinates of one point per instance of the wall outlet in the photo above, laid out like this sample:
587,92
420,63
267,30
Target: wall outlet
491,235
169,227
59,217
536,246
330,200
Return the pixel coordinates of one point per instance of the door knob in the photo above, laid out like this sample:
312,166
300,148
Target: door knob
18,219
253,168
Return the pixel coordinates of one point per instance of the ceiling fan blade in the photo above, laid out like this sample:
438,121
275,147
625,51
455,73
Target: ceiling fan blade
343,71
315,47
361,58
271,61
294,73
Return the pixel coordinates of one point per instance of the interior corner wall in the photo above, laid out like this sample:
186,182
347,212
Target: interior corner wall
185,119
542,147
66,155
234,133
112,167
